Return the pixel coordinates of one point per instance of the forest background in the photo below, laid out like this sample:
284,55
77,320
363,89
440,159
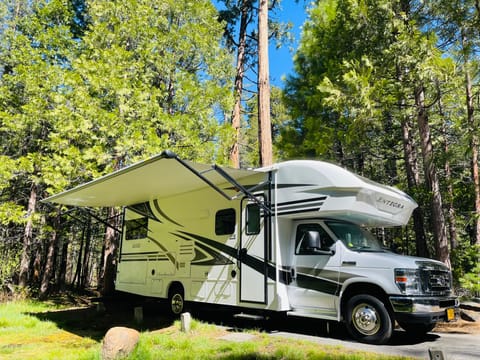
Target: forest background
387,89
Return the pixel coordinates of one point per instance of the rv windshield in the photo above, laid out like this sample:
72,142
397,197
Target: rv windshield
354,237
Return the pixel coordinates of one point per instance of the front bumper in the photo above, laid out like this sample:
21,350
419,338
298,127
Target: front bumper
425,309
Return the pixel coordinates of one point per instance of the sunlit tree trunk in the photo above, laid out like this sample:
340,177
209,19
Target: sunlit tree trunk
264,123
240,72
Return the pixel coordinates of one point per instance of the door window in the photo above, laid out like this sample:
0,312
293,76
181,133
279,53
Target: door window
311,239
253,219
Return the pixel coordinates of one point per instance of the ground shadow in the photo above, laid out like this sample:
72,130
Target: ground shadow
96,318
101,314
300,325
401,338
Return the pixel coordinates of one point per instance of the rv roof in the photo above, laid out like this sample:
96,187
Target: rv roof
163,175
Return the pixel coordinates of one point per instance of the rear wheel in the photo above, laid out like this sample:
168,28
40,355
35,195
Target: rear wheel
368,320
176,300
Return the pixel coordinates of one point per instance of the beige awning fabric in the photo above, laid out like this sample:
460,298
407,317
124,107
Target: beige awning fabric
163,175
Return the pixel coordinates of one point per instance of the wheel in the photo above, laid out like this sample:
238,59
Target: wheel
416,329
367,320
176,300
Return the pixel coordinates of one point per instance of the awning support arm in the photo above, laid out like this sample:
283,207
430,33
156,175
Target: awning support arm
242,188
227,177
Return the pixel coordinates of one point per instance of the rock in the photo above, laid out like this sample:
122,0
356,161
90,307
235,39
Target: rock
119,342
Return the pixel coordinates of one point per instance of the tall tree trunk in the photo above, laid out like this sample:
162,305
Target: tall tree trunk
452,222
76,278
240,72
61,273
410,153
107,279
473,144
50,261
24,275
86,256
264,123
413,180
431,177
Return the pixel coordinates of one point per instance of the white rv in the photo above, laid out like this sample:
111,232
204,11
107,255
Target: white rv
288,238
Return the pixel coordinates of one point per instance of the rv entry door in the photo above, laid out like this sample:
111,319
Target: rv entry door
252,253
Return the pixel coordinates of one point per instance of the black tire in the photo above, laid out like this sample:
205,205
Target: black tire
416,330
367,320
176,300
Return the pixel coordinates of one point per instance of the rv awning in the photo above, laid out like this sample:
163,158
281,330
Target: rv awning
161,176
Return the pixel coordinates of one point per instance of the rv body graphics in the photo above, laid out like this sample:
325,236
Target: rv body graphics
287,238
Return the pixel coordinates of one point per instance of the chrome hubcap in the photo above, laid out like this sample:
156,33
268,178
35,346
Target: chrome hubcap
177,304
365,319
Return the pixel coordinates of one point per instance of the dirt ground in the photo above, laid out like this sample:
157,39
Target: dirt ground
469,311
459,327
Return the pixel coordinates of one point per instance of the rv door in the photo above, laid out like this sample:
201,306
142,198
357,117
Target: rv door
252,253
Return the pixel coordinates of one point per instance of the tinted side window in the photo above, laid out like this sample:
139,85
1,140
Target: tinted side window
253,219
136,228
225,222
311,238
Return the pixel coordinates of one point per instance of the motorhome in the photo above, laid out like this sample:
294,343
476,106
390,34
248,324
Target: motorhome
290,238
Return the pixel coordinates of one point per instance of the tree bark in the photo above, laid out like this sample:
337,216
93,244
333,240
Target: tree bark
474,146
431,178
452,222
238,89
76,278
61,273
264,123
50,261
413,180
86,256
24,275
107,279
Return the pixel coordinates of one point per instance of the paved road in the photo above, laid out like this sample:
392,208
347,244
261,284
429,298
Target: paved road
453,346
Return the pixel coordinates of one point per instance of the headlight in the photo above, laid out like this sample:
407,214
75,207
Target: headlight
408,281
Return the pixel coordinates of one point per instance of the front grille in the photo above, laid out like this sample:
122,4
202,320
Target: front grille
436,279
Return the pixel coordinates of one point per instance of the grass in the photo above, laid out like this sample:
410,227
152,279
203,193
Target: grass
24,336
26,333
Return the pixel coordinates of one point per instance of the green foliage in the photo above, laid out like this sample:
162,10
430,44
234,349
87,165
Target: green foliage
155,75
88,89
351,98
467,267
471,280
9,265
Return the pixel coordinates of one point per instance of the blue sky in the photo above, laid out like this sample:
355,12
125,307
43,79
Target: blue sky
281,60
